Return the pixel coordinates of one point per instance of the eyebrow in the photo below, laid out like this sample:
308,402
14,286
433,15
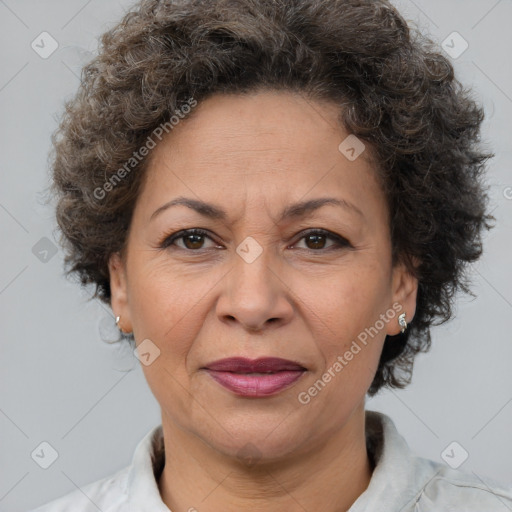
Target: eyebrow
292,211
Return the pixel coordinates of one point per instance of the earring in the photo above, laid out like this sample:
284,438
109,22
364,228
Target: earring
401,322
118,318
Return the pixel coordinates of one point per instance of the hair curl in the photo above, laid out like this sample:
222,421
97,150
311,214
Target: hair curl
394,89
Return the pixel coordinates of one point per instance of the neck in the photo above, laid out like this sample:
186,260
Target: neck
328,477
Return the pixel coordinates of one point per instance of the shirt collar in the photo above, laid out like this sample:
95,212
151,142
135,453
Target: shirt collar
147,465
386,446
399,476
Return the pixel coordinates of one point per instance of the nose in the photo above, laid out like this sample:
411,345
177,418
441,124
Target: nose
255,296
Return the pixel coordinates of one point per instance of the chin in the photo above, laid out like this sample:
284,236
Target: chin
255,438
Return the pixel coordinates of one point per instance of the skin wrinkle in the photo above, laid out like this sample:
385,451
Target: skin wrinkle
396,92
283,305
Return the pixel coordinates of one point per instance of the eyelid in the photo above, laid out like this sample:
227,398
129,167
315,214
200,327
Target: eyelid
169,239
340,241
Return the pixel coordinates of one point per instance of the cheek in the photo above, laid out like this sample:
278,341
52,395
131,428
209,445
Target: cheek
346,312
350,340
348,301
159,295
166,308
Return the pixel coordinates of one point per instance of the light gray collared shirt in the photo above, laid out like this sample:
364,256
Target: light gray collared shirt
401,481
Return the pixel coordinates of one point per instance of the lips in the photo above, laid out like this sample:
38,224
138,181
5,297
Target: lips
255,378
262,365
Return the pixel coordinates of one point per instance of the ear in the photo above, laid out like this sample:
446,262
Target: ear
404,294
119,292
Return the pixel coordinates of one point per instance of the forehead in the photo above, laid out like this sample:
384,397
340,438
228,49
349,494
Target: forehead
261,121
266,145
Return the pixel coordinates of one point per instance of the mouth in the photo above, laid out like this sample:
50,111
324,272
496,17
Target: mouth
255,378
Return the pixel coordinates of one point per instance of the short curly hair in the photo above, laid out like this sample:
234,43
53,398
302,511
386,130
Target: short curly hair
393,87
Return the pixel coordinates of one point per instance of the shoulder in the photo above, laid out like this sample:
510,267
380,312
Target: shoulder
457,490
132,488
404,481
101,495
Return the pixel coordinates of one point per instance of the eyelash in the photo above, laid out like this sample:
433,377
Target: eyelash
340,242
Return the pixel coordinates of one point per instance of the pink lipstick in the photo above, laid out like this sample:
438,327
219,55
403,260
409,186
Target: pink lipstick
255,378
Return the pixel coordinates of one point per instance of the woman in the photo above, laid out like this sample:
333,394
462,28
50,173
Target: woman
277,199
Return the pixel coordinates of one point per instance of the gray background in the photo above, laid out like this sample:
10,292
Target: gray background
63,384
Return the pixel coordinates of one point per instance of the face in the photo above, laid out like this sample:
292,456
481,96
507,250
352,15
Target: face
264,278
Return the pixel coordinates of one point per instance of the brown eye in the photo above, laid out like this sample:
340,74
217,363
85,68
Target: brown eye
316,240
191,240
